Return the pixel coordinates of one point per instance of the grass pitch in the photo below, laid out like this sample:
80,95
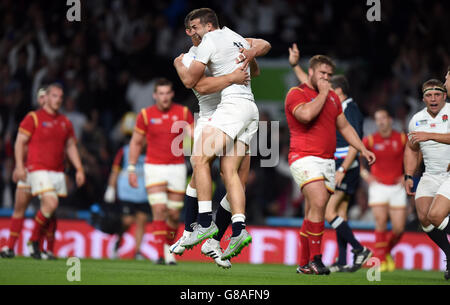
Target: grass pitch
21,270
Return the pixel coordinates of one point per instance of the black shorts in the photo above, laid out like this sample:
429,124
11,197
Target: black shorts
350,182
130,208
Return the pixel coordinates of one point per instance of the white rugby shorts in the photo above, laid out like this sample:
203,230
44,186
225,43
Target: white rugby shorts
172,175
43,181
309,169
432,185
383,194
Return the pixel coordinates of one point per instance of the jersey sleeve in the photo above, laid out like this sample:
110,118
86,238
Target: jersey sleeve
412,125
338,102
205,50
29,124
141,122
117,163
70,131
294,99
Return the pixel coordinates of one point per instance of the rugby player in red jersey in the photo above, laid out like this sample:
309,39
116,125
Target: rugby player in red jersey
45,136
22,200
387,196
162,126
314,112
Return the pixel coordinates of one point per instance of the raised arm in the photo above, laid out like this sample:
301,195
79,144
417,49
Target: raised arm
294,57
307,112
74,157
258,47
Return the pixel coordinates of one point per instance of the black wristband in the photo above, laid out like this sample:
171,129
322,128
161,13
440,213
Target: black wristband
408,177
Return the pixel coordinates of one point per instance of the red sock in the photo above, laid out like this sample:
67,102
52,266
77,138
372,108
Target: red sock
315,232
393,240
40,222
381,245
14,231
171,234
160,234
51,230
304,247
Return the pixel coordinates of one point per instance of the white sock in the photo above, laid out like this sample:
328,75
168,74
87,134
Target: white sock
428,229
225,203
443,224
204,206
238,218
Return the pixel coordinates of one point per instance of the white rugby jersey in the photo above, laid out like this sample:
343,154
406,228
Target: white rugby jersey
436,156
208,102
219,50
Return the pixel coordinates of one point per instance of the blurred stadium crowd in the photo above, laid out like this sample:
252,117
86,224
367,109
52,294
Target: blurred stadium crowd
107,64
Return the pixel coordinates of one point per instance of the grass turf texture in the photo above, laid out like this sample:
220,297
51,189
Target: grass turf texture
22,270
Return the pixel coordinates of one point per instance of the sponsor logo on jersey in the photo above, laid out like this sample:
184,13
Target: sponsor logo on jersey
156,121
421,122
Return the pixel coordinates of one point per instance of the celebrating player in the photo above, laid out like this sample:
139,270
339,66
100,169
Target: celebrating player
47,135
429,134
210,88
233,124
313,113
387,196
162,125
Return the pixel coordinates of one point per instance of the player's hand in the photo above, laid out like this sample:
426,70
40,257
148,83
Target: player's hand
338,177
196,40
246,56
324,86
80,178
370,156
409,183
110,194
294,55
418,136
240,77
19,174
132,179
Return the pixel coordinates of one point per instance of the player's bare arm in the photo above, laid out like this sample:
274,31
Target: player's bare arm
351,136
193,74
258,47
422,136
294,57
209,84
136,144
20,148
74,157
411,160
307,112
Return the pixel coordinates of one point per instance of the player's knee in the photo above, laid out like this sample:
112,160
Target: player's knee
435,217
50,201
329,215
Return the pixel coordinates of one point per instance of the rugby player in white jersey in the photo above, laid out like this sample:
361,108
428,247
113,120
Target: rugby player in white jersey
233,125
207,92
429,134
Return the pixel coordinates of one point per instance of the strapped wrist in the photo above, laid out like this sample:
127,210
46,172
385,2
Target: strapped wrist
131,168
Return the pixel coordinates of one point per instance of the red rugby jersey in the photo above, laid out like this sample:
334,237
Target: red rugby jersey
48,137
157,125
317,138
389,153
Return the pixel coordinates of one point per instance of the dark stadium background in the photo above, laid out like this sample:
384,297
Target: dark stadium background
118,44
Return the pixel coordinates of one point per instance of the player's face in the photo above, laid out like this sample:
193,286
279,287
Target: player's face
200,29
321,71
383,120
54,98
434,100
194,37
41,100
163,97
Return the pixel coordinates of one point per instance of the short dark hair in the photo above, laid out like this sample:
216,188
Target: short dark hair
162,82
321,59
187,20
340,81
433,83
385,109
206,15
